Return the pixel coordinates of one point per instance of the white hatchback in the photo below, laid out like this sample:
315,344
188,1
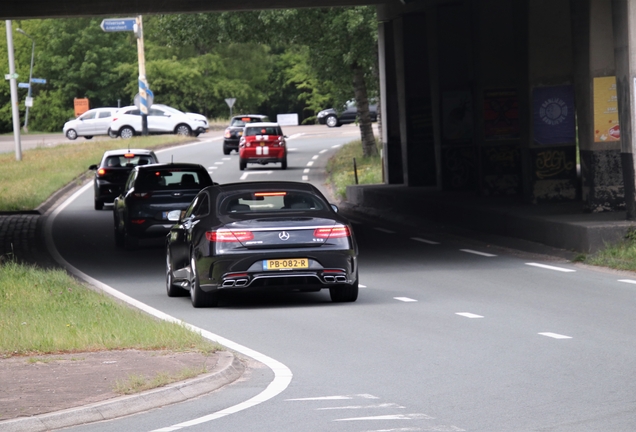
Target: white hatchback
93,122
162,119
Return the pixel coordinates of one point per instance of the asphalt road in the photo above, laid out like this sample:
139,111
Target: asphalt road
448,334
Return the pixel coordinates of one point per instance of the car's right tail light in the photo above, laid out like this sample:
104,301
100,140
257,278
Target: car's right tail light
333,232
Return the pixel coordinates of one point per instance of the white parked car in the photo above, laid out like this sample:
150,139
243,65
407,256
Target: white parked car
93,122
162,119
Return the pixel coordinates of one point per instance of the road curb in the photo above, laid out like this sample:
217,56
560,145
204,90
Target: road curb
228,369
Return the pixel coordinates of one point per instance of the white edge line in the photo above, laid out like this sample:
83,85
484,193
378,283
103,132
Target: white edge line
629,281
561,269
282,374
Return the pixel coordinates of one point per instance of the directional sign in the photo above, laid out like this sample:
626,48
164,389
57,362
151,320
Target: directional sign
23,85
118,24
11,76
38,80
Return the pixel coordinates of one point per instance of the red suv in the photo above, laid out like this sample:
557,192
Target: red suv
262,143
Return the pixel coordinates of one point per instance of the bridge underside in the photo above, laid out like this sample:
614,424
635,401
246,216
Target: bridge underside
499,97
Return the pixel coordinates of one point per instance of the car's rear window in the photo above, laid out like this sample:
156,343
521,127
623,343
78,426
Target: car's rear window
128,161
270,201
172,178
242,121
266,130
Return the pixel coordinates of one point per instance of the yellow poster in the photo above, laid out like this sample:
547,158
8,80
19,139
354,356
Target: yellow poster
606,126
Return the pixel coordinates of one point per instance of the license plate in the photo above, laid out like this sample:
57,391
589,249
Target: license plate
286,264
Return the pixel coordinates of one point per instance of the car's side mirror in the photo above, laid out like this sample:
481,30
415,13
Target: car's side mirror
92,167
334,207
174,215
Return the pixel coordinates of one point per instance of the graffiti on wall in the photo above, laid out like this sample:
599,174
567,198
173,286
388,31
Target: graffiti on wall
553,164
502,170
459,168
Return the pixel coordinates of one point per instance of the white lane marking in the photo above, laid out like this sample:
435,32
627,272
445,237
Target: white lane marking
391,417
212,168
314,157
561,269
310,163
384,230
219,163
323,151
204,142
405,299
282,374
338,397
555,335
291,149
306,170
294,136
361,286
629,281
226,159
468,315
244,176
336,146
384,405
305,178
470,251
424,240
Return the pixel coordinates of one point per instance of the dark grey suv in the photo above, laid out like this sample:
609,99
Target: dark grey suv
332,118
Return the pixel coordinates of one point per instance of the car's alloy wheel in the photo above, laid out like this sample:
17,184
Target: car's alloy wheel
71,134
171,289
126,132
344,293
332,121
183,130
198,297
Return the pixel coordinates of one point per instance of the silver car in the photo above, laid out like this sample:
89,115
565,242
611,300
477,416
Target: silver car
93,122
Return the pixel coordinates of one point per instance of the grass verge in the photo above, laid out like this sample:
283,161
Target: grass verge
340,168
26,184
137,383
49,312
620,256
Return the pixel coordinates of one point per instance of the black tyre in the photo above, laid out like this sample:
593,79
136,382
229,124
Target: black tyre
344,293
99,205
119,238
71,134
171,289
89,137
130,242
126,132
332,121
111,133
226,150
242,164
283,164
199,297
183,130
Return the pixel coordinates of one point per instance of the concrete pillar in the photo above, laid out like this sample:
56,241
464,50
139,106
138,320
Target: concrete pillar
624,25
595,70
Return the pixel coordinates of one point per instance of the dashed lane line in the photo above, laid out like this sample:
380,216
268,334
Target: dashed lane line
305,178
314,157
421,240
555,335
405,299
323,151
306,171
629,281
310,163
384,230
474,252
549,267
244,176
468,315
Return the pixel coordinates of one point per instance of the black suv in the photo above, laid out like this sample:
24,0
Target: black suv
113,170
153,198
349,114
234,131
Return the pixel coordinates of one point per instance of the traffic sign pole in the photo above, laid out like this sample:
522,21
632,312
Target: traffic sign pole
12,77
143,84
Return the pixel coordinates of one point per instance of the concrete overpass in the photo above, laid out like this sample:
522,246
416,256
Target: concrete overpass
485,96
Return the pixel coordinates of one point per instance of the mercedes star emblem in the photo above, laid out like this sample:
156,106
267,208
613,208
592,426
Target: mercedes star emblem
284,235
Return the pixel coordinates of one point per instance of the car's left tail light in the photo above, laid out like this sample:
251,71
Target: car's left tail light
141,195
101,172
227,236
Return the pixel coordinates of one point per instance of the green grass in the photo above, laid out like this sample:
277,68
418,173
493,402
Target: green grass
341,171
137,383
620,256
26,184
49,312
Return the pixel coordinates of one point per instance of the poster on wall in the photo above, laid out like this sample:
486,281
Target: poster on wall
606,127
457,111
501,114
553,115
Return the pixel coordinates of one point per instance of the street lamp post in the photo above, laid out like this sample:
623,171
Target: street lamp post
26,116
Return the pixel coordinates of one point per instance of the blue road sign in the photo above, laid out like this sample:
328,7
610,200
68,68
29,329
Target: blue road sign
23,85
38,80
118,24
